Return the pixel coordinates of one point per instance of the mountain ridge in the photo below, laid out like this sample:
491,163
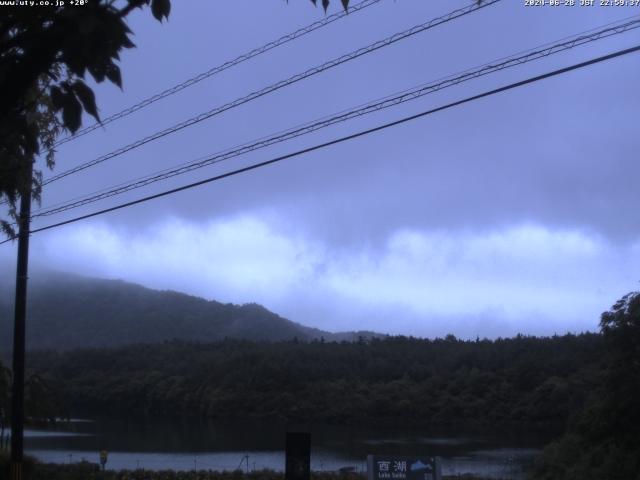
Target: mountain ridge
67,311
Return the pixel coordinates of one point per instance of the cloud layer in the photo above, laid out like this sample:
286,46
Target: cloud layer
524,278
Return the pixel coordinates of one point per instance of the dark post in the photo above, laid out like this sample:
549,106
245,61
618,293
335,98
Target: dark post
298,456
17,396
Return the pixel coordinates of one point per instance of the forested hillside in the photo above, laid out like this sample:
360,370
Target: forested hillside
525,380
67,311
603,440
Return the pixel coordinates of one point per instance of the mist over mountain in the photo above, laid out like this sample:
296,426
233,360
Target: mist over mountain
67,311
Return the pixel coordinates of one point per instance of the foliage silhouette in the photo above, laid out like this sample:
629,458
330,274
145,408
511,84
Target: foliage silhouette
603,440
45,55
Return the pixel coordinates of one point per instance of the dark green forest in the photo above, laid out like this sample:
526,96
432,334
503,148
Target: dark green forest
524,380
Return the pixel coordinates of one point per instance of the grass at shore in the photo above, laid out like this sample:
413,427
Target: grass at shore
34,470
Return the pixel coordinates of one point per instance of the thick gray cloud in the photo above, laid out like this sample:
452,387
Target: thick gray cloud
523,278
513,213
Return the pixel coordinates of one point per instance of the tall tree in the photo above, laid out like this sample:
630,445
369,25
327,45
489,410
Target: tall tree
621,329
5,381
45,55
604,441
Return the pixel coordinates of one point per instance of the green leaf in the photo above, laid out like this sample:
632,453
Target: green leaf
161,9
57,98
71,112
87,98
112,72
138,3
123,35
97,71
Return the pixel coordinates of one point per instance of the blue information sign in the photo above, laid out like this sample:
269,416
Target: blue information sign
393,467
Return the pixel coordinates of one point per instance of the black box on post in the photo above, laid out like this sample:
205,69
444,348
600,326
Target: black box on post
298,456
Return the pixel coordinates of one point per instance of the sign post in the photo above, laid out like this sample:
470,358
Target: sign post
298,456
103,458
391,467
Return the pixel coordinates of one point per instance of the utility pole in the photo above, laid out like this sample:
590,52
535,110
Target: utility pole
17,396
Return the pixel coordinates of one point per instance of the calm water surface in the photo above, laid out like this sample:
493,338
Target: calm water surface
257,445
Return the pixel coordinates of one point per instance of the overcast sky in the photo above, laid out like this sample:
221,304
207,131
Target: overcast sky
515,213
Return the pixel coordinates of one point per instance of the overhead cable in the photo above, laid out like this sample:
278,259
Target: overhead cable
219,68
362,133
279,85
387,102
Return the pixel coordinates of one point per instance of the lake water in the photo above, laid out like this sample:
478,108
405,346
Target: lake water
258,445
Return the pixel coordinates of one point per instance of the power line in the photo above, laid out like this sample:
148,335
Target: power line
387,102
279,85
220,68
209,73
593,34
362,133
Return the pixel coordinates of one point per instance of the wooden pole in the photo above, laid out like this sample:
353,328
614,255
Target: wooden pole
17,396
